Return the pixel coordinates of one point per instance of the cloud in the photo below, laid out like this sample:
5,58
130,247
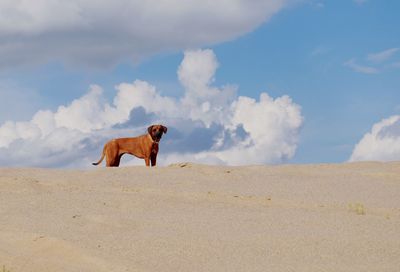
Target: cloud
383,55
107,32
203,101
382,143
352,64
376,62
272,126
207,124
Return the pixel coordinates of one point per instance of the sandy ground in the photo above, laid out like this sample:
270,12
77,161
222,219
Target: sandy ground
185,217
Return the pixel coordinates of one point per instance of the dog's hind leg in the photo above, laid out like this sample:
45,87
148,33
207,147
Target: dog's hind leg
118,160
113,161
112,154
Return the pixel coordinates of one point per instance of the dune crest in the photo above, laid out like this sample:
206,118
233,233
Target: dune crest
191,217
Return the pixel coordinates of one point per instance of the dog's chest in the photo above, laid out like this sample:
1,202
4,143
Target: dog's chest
154,148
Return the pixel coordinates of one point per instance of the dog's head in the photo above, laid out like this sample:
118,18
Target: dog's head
156,132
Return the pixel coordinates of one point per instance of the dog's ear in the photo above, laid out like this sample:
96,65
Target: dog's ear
149,129
165,129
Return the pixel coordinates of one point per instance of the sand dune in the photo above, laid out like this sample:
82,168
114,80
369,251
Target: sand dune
185,217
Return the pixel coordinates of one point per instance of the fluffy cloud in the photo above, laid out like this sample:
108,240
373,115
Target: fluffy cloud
203,101
207,124
102,33
264,131
382,143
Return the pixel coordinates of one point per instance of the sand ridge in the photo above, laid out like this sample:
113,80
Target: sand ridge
188,217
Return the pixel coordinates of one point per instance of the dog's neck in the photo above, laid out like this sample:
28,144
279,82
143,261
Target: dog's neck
151,139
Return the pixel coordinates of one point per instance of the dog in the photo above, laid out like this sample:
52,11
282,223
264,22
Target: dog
144,147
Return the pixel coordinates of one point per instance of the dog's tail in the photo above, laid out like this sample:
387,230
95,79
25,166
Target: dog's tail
102,156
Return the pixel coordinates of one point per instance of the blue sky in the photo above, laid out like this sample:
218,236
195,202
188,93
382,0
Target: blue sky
339,61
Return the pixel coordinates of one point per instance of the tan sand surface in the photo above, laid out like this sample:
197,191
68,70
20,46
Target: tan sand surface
186,217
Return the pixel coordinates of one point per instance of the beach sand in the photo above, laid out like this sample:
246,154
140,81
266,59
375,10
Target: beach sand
188,217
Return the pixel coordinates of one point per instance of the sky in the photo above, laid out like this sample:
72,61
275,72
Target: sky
236,82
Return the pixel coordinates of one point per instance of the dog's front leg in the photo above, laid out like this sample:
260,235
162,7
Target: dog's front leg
147,161
153,159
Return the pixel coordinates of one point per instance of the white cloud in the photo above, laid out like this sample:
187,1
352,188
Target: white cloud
382,143
102,33
360,68
272,127
207,124
204,102
375,61
383,55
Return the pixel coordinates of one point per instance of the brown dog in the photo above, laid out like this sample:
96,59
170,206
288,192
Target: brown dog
144,147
